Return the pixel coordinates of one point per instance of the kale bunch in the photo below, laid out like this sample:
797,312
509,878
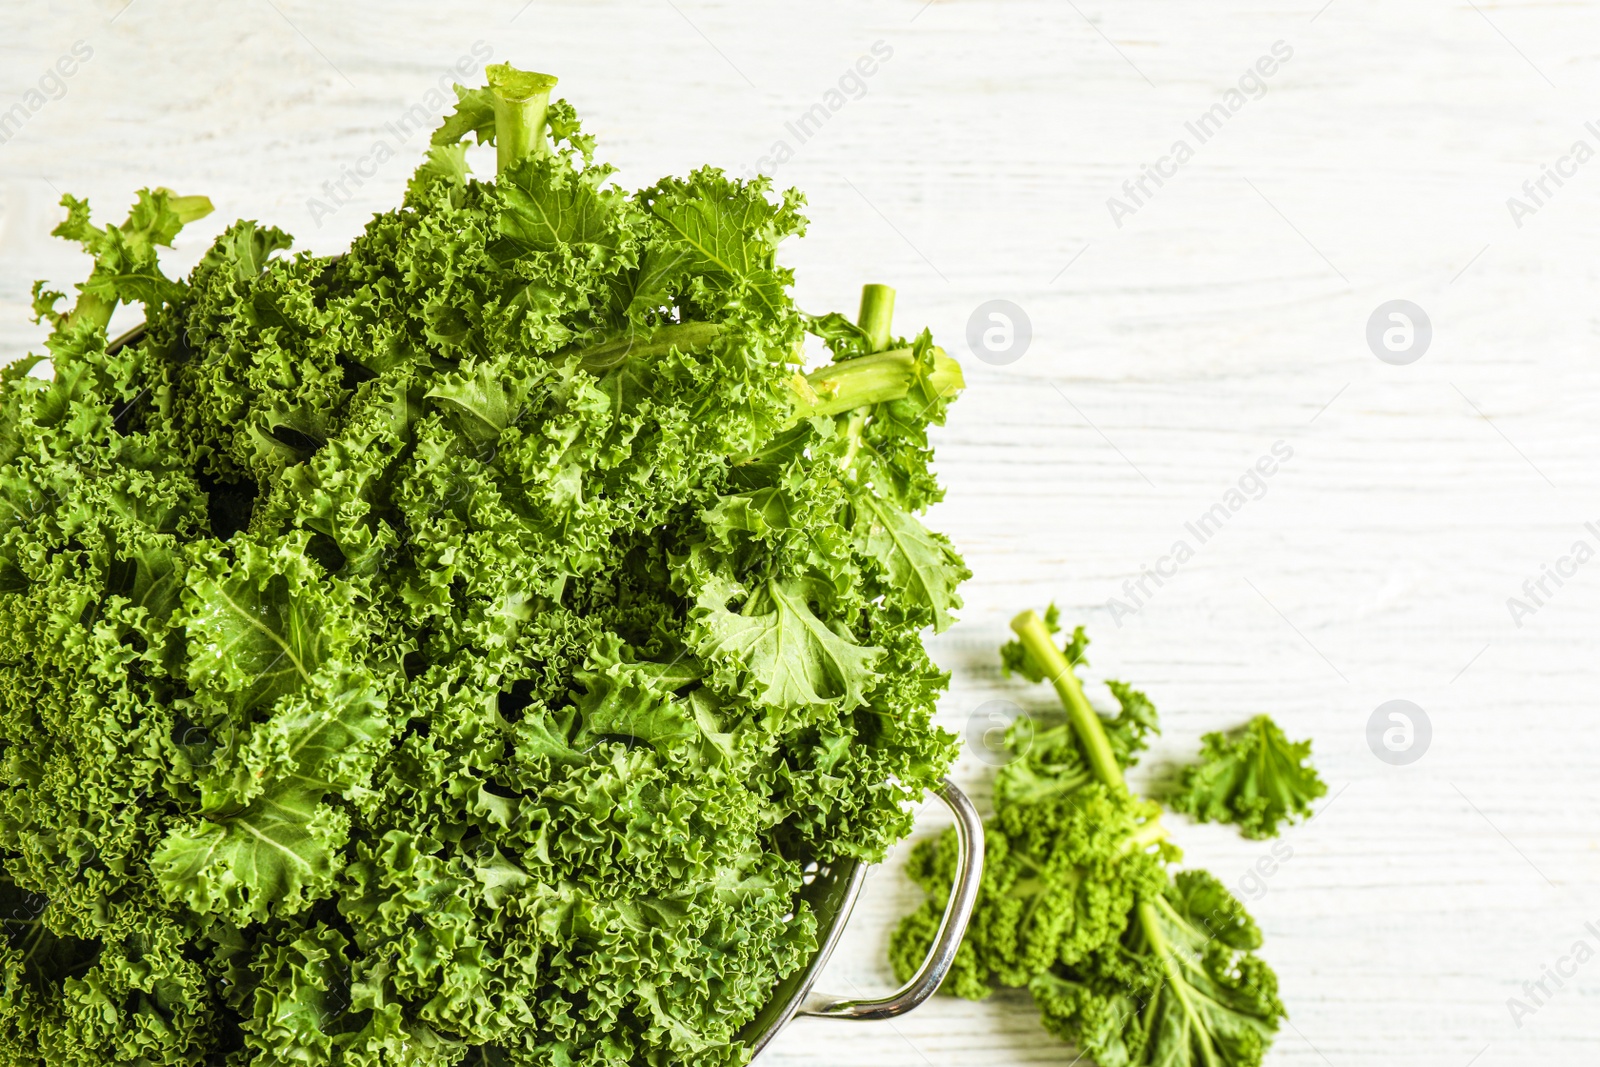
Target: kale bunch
1135,965
454,650
1065,856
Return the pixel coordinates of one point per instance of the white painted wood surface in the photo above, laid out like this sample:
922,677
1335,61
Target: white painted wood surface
1226,314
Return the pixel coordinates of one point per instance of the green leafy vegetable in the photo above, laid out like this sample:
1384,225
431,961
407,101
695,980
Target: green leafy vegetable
1129,730
453,651
125,269
1181,986
1135,966
1254,777
1064,864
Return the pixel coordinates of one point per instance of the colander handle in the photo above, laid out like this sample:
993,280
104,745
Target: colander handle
964,891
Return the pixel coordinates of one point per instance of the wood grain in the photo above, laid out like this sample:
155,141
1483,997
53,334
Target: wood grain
1227,313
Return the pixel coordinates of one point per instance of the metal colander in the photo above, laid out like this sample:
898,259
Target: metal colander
831,893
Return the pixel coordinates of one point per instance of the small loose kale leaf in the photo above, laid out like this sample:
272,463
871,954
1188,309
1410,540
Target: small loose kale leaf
1253,777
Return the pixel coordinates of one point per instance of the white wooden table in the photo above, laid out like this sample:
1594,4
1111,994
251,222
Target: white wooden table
1226,312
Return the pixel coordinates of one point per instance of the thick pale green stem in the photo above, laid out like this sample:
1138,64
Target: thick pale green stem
93,309
685,337
521,99
1147,834
876,319
187,208
1153,932
1041,646
877,315
871,380
1177,985
837,387
853,431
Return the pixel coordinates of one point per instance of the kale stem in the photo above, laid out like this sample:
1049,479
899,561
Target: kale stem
1162,949
852,432
1146,834
884,374
685,337
31,945
1042,648
877,313
875,319
521,99
871,380
187,208
95,309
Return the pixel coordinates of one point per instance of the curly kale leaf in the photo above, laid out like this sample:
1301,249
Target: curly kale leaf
1181,987
729,236
474,114
793,657
1059,880
919,563
269,845
1254,777
1049,766
844,338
